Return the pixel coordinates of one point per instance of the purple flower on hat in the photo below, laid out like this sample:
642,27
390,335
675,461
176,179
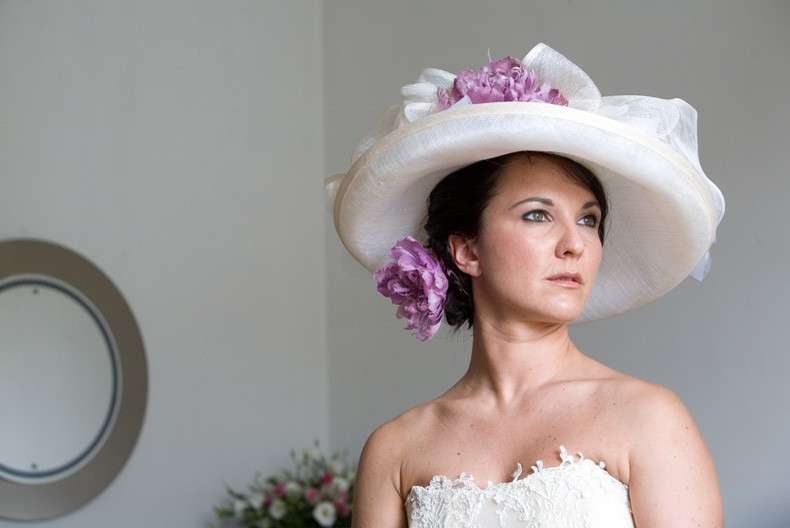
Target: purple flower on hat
417,283
503,79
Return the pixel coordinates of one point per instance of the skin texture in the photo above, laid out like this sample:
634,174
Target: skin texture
528,388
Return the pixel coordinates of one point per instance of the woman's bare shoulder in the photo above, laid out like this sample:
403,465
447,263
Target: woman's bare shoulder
628,395
631,393
394,433
411,422
670,464
381,460
616,385
647,406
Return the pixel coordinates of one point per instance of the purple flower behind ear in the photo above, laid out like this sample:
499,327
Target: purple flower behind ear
417,283
503,79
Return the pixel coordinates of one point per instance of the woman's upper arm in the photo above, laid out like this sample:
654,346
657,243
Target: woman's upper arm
377,499
672,477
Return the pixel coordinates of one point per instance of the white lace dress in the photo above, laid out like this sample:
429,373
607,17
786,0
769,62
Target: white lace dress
574,494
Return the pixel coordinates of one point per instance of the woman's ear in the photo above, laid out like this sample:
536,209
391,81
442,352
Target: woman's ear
464,252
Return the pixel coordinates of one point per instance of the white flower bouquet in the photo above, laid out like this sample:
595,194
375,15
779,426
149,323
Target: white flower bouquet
317,493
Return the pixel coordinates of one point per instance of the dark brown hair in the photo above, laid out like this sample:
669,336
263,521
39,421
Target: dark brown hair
456,204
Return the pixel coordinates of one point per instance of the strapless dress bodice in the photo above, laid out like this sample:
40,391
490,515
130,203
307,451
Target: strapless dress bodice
574,494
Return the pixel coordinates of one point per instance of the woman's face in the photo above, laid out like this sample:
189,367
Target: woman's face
522,243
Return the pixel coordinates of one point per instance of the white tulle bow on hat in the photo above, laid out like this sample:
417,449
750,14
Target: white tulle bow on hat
664,210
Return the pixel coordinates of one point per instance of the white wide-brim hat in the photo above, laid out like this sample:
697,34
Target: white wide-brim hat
664,211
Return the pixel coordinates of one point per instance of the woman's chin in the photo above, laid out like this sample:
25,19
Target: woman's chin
561,312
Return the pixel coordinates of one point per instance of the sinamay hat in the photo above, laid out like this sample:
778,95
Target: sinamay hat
664,211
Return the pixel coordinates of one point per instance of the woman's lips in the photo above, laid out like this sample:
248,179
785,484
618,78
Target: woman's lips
566,283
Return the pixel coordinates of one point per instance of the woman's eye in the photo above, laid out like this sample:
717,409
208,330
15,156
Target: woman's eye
542,212
595,220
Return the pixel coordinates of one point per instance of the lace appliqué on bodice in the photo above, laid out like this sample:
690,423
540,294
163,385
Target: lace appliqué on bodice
575,494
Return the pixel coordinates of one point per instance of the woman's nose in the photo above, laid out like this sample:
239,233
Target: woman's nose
570,241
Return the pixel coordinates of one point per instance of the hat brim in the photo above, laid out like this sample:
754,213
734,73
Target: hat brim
660,222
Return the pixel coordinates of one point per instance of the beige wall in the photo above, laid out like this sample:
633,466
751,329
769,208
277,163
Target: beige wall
178,145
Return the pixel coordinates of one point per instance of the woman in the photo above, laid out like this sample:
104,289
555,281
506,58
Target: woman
514,248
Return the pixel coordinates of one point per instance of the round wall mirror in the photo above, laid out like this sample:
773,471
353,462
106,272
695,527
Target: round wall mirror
73,382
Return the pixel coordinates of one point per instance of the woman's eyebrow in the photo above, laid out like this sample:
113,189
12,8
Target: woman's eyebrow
548,201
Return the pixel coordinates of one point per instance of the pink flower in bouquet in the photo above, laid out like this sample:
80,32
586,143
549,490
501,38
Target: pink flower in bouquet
279,489
327,478
312,495
342,508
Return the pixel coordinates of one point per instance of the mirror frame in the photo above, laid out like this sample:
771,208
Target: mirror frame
26,256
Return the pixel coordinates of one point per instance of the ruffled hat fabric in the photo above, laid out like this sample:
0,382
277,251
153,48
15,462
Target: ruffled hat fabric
664,210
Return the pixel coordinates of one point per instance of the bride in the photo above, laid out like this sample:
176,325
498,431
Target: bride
536,432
